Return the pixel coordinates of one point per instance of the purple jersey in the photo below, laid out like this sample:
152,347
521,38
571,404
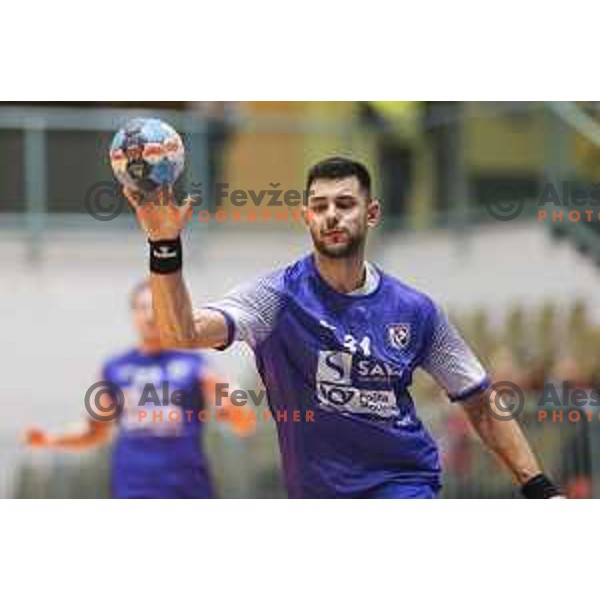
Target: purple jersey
344,363
158,450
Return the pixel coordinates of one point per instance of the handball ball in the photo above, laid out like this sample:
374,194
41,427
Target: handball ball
147,154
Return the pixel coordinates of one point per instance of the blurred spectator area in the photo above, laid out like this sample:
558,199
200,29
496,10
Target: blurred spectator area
532,347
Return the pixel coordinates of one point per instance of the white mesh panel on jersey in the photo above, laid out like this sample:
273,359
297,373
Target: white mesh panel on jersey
253,307
450,361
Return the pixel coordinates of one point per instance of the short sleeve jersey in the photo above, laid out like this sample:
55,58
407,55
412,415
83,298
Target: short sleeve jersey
346,362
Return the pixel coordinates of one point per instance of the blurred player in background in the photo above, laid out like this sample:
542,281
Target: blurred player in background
158,449
336,342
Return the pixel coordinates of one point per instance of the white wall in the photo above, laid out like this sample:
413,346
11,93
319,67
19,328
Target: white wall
493,267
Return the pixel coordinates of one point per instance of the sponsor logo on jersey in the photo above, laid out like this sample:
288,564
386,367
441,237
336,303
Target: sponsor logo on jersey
335,367
179,369
147,375
339,375
373,370
399,335
375,403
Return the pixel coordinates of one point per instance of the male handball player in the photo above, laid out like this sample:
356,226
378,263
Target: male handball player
336,341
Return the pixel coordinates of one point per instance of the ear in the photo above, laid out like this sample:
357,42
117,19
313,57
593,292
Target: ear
373,212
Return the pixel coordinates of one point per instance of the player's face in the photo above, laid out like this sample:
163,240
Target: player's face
143,317
339,215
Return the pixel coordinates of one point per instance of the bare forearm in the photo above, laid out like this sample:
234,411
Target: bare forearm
179,326
92,436
505,439
76,442
173,310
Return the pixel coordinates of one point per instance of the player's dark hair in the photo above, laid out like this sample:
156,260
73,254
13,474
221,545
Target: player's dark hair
142,286
338,167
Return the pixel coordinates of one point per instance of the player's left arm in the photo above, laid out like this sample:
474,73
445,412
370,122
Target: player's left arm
217,393
454,366
504,438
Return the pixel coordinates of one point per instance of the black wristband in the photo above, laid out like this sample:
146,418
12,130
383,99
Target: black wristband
539,488
166,256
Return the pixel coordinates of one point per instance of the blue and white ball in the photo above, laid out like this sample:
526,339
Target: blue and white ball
146,154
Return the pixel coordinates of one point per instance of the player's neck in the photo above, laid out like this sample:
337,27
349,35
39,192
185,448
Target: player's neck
150,347
344,275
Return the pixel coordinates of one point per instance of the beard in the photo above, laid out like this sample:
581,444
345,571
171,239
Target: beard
351,247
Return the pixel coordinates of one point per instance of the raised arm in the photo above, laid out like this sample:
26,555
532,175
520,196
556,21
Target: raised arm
179,325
